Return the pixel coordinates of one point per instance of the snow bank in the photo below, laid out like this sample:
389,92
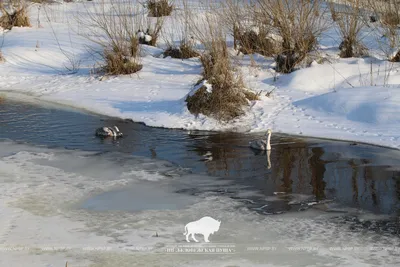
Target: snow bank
376,106
302,103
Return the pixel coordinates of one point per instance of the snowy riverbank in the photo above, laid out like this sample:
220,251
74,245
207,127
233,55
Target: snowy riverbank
331,100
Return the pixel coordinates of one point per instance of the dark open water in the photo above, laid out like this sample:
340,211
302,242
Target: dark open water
301,171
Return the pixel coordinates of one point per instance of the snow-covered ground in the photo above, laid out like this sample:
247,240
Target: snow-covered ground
350,99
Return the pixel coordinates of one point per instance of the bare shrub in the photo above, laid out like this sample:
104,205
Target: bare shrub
250,33
221,91
111,26
118,63
350,23
14,14
159,8
180,43
298,23
184,51
389,13
47,1
390,19
149,26
236,17
253,41
396,57
156,30
1,57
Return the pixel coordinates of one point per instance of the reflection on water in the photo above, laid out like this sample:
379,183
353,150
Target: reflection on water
302,170
317,166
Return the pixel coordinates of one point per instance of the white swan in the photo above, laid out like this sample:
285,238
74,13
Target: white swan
262,144
108,131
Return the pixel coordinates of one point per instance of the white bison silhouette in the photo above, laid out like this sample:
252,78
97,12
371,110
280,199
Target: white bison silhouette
205,226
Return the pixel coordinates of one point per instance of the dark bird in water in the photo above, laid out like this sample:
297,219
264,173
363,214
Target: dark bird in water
108,131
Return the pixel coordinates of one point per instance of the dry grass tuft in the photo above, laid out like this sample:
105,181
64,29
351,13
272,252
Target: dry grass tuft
251,96
159,8
388,13
122,61
251,33
227,98
110,25
222,94
207,61
1,57
184,51
223,104
15,16
249,42
298,23
350,22
396,57
390,19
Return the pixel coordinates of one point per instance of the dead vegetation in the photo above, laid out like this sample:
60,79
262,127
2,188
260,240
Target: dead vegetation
298,23
255,41
249,34
115,31
186,46
396,57
221,92
350,22
388,12
121,61
159,8
184,51
14,14
150,26
1,57
224,99
154,30
390,19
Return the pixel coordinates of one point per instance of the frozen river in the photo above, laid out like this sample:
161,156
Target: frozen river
66,195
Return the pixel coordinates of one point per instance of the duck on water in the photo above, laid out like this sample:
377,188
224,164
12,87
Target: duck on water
108,131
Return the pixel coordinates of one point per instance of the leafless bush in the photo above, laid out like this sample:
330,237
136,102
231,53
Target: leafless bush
14,14
180,43
184,51
225,99
159,8
73,61
250,33
149,25
389,13
256,41
350,23
117,61
390,19
46,1
1,57
111,26
298,23
154,29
